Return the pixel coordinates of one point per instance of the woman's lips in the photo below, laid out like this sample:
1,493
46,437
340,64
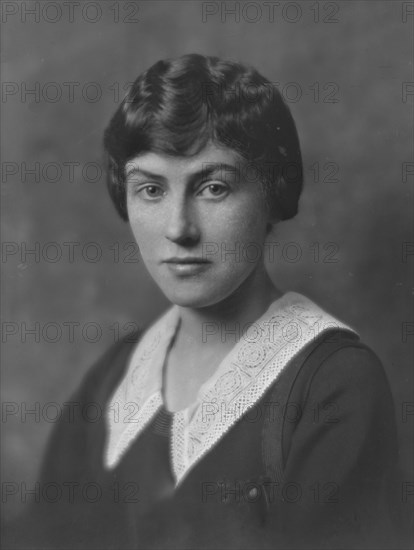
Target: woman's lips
187,266
187,260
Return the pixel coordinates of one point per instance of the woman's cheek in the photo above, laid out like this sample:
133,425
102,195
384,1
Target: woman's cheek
244,228
145,229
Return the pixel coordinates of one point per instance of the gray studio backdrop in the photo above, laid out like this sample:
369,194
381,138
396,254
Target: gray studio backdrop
73,281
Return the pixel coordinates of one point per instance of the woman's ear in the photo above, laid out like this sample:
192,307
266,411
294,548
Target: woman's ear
273,218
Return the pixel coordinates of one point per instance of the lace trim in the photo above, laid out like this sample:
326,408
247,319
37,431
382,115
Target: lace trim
240,381
138,397
116,450
250,370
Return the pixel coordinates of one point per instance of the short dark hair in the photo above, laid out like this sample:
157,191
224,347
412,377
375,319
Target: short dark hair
179,105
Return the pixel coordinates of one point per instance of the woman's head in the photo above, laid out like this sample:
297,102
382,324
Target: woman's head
178,106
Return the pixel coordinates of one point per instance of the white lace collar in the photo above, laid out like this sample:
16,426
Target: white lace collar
241,379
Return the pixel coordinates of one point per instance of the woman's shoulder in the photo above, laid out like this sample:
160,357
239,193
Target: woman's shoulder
101,378
340,387
84,410
338,362
346,360
334,354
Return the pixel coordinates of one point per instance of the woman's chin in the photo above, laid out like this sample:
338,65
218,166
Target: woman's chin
188,300
193,297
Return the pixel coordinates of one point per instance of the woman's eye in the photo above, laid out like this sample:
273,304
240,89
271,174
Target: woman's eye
214,190
151,191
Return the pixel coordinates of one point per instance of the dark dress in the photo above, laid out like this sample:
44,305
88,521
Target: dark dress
336,486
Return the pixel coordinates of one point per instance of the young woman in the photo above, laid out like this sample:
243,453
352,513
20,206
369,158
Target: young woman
244,417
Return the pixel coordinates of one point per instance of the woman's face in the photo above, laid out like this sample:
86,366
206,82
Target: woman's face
199,224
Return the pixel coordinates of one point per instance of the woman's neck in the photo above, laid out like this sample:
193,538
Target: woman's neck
206,336
221,324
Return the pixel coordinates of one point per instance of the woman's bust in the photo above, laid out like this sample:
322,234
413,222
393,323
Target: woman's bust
204,162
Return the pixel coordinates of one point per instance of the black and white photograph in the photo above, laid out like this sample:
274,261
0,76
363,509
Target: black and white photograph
207,275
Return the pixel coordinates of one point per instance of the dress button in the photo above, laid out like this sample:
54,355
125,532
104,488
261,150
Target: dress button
253,492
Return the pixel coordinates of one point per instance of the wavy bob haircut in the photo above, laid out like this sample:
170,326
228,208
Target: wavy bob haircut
178,106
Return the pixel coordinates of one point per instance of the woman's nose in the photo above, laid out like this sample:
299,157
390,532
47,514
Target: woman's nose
181,223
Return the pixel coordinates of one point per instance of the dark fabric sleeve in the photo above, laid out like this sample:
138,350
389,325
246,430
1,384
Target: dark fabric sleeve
340,485
71,475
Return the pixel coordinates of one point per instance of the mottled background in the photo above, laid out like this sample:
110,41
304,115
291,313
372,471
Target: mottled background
342,71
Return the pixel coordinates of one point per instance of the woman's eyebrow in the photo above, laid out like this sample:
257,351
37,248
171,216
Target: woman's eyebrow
208,170
213,168
136,170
